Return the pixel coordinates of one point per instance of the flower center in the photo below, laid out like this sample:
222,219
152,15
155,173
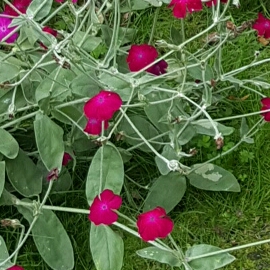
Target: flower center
3,28
104,207
152,219
100,100
93,121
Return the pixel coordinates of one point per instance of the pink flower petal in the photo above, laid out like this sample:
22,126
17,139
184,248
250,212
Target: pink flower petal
15,267
140,56
49,30
66,159
259,27
101,214
5,30
166,227
266,106
113,201
105,217
154,224
103,105
214,2
211,3
262,25
101,210
159,68
179,11
266,101
94,126
180,7
266,117
21,5
267,33
106,195
194,5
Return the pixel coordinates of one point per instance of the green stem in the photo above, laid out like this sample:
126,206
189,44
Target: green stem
202,109
114,40
241,69
46,195
228,250
150,140
241,116
127,229
21,243
31,225
54,208
217,157
32,69
14,122
183,30
132,222
154,26
177,48
122,115
180,253
77,101
52,14
135,183
71,120
165,90
101,169
86,33
166,75
143,139
20,240
252,90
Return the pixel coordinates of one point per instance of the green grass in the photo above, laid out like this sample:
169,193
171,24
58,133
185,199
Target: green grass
217,218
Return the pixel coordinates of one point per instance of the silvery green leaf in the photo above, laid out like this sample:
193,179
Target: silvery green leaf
212,177
157,254
155,3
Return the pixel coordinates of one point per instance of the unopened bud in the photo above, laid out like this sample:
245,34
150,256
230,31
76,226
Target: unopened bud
219,143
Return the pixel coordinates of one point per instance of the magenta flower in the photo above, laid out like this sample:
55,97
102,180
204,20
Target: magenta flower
94,126
15,267
140,56
103,206
5,30
66,159
48,30
154,224
214,2
53,175
21,5
266,106
103,105
158,68
181,7
262,25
